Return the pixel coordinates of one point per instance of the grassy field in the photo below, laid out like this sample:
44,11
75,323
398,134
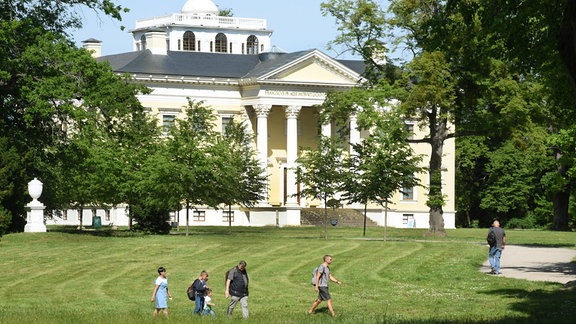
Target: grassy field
65,276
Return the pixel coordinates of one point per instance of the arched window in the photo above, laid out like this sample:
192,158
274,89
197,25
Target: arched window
221,43
189,41
143,42
252,45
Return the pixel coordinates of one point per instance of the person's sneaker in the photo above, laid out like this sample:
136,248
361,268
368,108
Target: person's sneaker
492,271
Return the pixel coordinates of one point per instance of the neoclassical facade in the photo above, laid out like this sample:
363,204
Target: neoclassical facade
230,64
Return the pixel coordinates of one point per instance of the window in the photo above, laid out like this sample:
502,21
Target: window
410,130
407,192
252,45
199,216
221,43
168,122
65,214
107,215
226,121
408,220
143,42
227,216
189,41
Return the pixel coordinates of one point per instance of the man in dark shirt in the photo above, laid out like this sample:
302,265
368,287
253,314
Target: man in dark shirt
495,251
237,288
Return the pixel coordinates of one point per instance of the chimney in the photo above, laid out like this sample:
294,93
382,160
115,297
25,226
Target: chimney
156,42
94,46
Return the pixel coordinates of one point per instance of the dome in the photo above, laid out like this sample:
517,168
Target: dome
200,7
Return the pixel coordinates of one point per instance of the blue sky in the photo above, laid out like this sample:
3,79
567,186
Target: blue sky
297,24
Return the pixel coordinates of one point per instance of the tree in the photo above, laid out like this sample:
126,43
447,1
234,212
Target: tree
320,172
189,144
382,164
430,86
240,178
536,42
42,77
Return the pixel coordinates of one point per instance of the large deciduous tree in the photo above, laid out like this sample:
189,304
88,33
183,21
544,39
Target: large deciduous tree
430,87
58,105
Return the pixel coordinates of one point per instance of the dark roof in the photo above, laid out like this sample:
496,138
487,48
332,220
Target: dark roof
217,65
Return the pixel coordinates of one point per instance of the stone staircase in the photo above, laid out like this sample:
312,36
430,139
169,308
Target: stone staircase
346,217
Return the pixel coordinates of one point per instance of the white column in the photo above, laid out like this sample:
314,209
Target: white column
327,130
291,153
354,133
354,139
262,112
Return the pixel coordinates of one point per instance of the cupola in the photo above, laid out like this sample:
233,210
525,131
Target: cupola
200,7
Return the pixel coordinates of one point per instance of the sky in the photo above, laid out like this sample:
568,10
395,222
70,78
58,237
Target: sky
297,24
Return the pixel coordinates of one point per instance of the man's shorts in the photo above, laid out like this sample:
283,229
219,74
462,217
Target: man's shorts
323,293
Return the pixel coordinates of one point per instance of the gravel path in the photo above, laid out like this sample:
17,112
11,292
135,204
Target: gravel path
536,263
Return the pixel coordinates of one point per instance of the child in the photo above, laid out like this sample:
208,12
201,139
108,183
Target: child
161,292
208,303
200,288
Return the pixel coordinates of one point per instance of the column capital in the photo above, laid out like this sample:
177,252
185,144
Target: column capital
262,110
292,111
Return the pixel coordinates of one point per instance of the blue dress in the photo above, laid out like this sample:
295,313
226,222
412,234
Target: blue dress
162,292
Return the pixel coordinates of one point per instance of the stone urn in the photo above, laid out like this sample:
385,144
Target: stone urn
35,189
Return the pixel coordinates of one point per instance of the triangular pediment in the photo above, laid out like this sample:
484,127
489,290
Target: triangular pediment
313,68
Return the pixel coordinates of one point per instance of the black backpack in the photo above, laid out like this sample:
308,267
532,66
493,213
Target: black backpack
191,292
491,238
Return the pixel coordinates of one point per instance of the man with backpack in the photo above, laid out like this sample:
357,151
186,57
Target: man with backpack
497,240
323,275
237,288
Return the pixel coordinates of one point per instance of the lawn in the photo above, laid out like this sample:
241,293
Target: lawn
65,276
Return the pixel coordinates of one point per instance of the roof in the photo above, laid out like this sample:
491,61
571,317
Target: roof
217,65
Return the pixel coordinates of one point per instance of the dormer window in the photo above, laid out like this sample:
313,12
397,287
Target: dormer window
189,41
252,45
143,42
221,43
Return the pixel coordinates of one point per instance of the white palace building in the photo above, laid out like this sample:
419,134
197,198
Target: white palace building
231,65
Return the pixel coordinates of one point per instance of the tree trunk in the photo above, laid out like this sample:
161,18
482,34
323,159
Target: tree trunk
438,133
567,40
365,207
560,203
567,49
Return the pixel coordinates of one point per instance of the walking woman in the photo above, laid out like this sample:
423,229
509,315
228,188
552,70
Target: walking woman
161,293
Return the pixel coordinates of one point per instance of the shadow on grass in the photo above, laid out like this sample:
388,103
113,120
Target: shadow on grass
564,268
101,232
540,306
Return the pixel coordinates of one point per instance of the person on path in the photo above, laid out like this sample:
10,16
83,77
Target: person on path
495,251
161,293
200,287
237,289
208,304
322,277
